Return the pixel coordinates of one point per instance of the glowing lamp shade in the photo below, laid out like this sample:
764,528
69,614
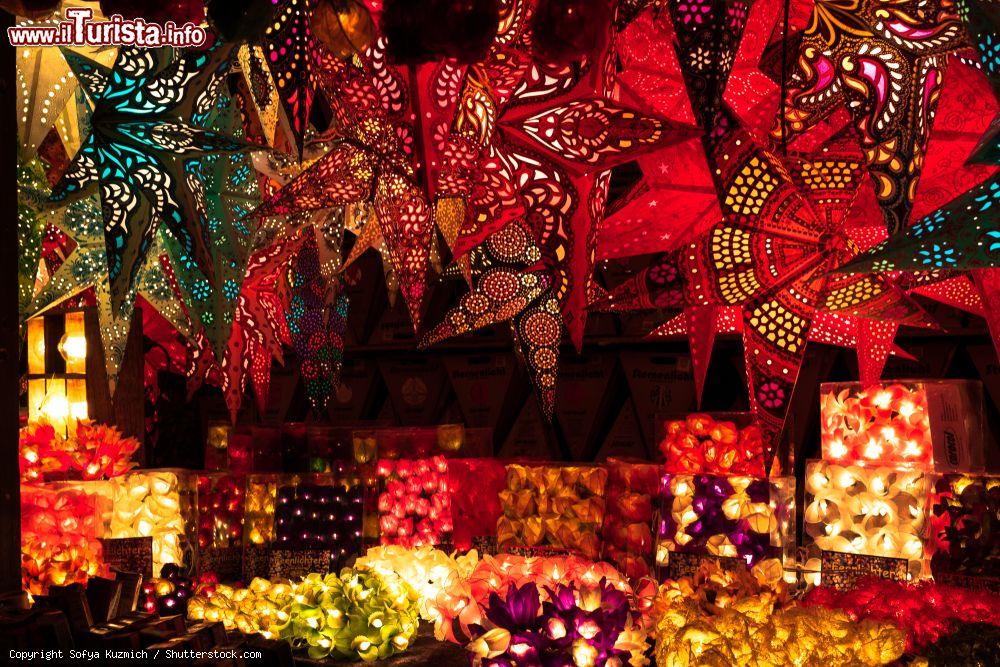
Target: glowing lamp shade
36,346
57,386
869,510
73,344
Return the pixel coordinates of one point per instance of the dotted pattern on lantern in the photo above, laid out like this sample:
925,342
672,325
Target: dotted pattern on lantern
31,224
853,294
779,325
751,188
316,328
289,50
147,102
538,332
596,133
707,37
86,267
500,294
784,255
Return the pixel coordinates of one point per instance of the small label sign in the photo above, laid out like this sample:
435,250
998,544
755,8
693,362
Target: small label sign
976,583
129,554
842,570
226,562
294,564
680,564
256,562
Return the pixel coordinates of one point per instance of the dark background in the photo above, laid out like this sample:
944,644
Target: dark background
608,398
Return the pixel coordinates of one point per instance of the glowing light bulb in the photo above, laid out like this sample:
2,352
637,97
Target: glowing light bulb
73,347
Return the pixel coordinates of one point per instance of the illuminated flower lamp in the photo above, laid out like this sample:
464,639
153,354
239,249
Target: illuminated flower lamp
902,422
251,610
414,505
963,535
357,615
59,537
169,593
888,423
716,617
553,509
726,516
868,510
462,603
57,370
152,503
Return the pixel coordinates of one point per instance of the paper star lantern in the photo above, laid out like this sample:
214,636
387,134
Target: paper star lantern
770,258
965,232
317,322
708,34
886,67
144,126
225,193
965,111
31,222
86,267
503,288
370,161
259,329
45,82
258,95
291,55
659,285
559,133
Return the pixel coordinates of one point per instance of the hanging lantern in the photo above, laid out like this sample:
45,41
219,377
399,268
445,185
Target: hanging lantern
566,30
343,26
57,373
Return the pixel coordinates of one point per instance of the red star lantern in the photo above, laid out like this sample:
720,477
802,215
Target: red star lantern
770,260
886,66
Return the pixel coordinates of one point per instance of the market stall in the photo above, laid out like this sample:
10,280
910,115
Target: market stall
504,333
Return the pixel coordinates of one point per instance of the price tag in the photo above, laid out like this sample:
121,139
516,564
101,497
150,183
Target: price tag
485,545
842,570
681,564
225,562
129,554
540,552
991,584
294,564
